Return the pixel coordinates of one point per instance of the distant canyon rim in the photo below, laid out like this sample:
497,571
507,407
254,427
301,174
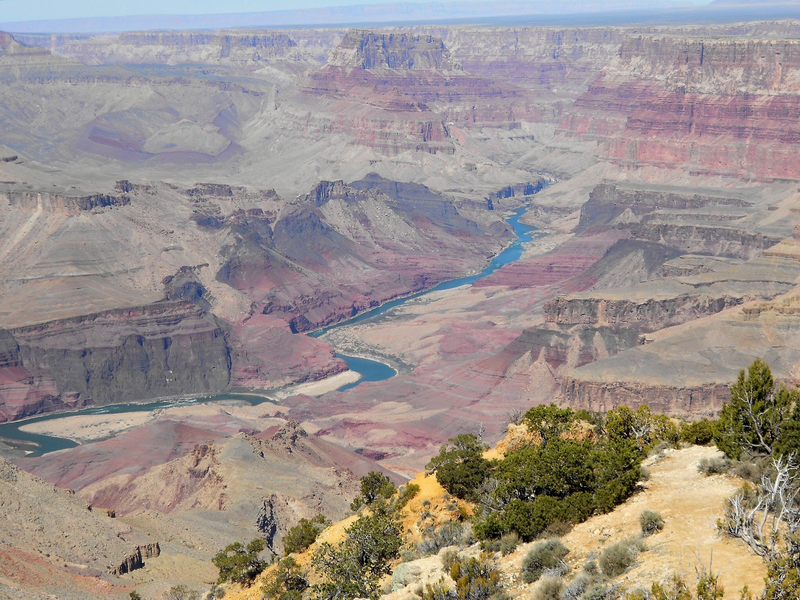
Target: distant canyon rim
179,208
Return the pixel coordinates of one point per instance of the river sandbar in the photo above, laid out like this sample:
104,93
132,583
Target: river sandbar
317,388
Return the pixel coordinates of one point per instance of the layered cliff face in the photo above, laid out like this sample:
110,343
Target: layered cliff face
716,105
687,370
122,355
245,49
362,49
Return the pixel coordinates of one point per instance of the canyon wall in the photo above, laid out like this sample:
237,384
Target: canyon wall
165,349
714,105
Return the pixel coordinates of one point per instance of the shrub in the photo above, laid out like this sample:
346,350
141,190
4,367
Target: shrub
353,569
182,592
558,528
598,591
509,543
752,470
549,588
449,558
452,533
240,564
407,493
375,486
591,568
286,582
302,535
460,466
577,586
544,555
438,591
650,522
616,559
751,422
215,593
476,579
714,466
699,433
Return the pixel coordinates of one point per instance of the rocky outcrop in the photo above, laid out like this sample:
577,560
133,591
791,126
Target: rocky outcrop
608,202
692,402
645,315
712,239
58,203
135,560
162,349
363,49
580,346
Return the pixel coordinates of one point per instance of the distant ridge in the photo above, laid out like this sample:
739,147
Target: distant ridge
341,15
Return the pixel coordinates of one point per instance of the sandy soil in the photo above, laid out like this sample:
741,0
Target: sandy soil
317,388
87,428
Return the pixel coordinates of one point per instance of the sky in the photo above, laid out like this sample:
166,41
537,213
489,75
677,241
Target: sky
31,10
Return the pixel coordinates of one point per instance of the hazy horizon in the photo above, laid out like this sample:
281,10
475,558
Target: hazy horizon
36,10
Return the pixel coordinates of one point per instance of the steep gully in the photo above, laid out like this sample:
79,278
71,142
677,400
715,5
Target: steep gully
370,370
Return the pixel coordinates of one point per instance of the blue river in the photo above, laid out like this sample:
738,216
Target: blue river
370,370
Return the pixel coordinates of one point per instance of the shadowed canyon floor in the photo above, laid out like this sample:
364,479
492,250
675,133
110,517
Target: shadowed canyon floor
180,208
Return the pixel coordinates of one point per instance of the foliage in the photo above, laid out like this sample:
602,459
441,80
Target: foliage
549,588
698,433
476,578
599,591
375,487
215,593
509,543
783,578
449,558
769,522
650,522
617,558
788,440
438,590
549,422
641,427
460,466
182,592
286,581
537,488
407,493
302,535
708,588
577,586
134,595
240,564
353,568
451,533
751,422
714,465
544,555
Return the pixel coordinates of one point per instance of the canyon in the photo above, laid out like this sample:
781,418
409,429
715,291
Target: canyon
180,209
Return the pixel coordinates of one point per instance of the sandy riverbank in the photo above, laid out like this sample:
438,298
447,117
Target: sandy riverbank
88,428
317,388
